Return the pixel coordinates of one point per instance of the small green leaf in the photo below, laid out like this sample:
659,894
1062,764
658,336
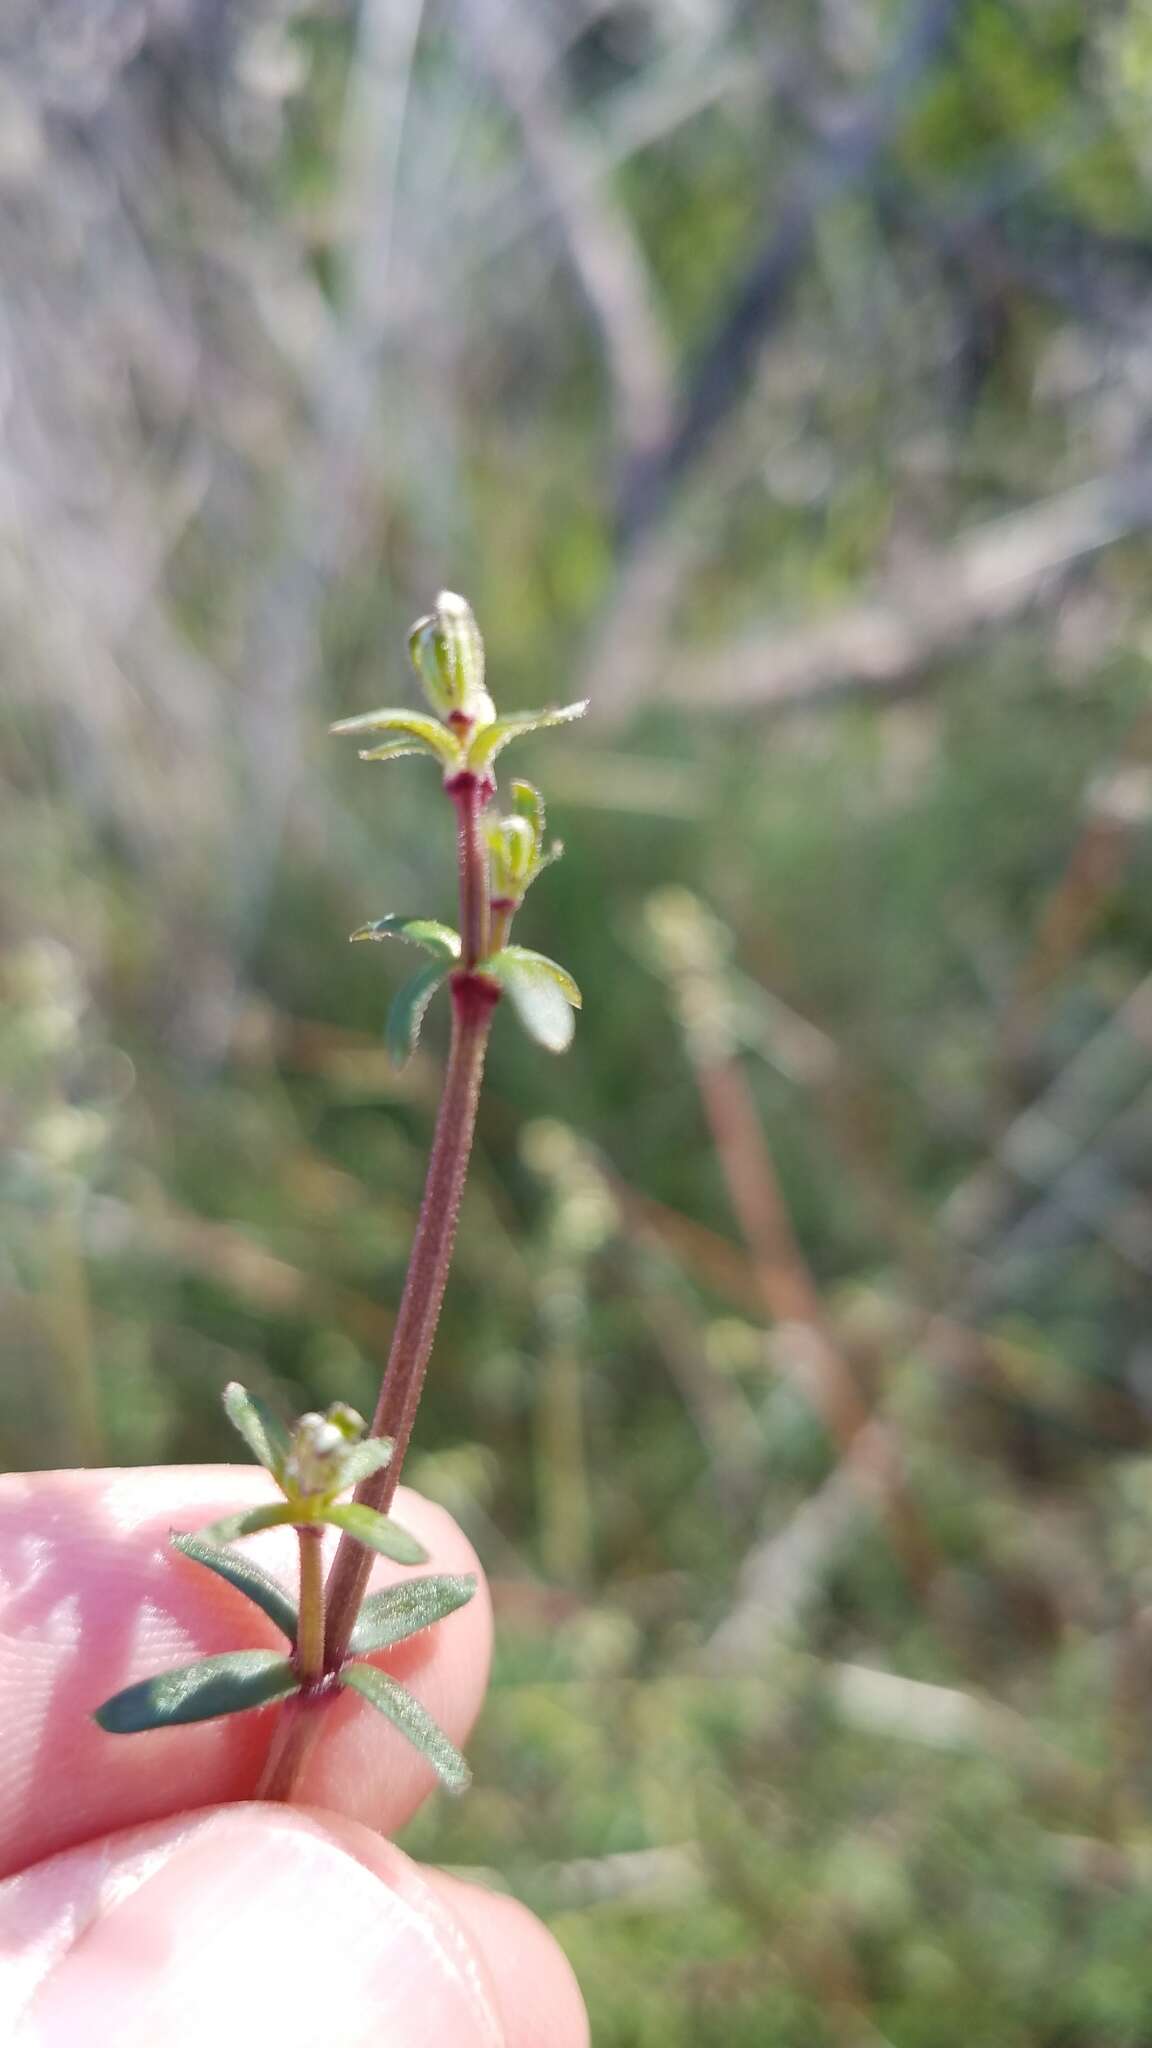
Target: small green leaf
250,1521
228,1684
376,1532
401,1611
410,1717
361,1460
542,993
435,938
416,725
264,1434
248,1578
492,739
406,1012
395,750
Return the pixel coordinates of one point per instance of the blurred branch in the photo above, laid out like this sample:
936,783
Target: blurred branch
991,574
762,297
605,255
320,518
688,947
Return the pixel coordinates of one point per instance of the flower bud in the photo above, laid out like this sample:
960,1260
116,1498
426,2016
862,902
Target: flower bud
512,851
316,1459
448,656
348,1421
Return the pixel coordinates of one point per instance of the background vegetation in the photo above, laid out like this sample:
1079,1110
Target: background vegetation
780,375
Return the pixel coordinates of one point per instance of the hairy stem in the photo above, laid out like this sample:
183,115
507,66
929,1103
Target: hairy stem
297,1726
310,1632
469,795
473,1001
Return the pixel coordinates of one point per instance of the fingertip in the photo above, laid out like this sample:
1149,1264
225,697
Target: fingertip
533,1982
93,1598
262,1923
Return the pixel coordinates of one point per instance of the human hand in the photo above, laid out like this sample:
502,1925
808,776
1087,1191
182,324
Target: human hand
143,1903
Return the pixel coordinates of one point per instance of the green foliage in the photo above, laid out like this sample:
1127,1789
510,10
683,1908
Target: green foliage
406,1714
542,993
438,939
198,1184
407,1011
375,1532
249,1578
229,1684
400,1611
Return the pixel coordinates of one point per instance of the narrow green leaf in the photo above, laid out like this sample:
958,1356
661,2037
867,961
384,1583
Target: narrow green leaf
395,750
262,1431
376,1532
542,993
492,739
435,938
228,1684
247,1577
361,1460
409,1716
249,1522
416,725
401,1611
406,1012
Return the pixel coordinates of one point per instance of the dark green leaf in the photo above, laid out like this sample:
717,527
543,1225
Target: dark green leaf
406,1012
409,1716
376,1532
492,739
263,1432
435,938
542,993
403,1610
247,1577
361,1460
249,1522
229,1684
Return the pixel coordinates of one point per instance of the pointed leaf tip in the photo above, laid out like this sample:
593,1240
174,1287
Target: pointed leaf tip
402,1611
228,1684
262,1431
248,1578
406,1714
492,739
438,939
416,731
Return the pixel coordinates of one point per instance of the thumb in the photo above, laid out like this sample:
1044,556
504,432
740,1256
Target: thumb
246,1924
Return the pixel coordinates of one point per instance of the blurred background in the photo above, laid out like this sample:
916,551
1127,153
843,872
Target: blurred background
779,376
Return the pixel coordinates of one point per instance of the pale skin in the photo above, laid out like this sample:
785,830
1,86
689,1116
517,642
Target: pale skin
145,1898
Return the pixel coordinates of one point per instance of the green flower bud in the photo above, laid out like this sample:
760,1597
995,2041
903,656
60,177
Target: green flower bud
448,656
350,1424
316,1459
512,850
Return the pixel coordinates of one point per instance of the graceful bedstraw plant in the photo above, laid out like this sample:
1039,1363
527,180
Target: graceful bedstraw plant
335,1624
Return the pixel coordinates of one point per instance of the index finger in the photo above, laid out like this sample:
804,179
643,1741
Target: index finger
93,1597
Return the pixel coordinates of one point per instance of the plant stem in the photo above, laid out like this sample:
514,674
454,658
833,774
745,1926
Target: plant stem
473,1000
470,796
310,1631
